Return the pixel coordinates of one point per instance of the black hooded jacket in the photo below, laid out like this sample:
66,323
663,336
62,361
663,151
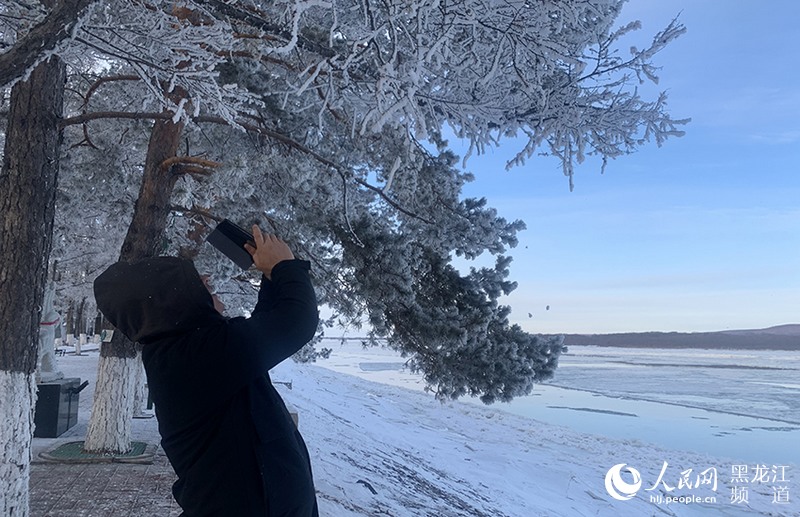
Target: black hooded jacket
224,427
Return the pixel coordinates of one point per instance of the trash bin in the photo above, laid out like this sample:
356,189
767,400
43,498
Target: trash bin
57,407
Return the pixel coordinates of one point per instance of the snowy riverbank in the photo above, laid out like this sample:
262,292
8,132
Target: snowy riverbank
385,450
736,403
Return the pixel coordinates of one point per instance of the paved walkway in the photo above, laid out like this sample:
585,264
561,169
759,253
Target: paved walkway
99,489
103,489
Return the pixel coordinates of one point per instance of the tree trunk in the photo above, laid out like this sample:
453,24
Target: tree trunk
80,327
113,405
112,408
80,318
27,203
70,323
140,390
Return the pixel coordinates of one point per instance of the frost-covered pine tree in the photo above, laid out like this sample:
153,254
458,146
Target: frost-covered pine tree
346,99
353,74
389,268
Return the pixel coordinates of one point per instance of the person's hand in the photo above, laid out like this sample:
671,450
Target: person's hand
268,251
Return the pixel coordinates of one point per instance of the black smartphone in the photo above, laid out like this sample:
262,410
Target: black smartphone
229,238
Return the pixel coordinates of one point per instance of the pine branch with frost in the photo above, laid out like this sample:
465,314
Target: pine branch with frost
490,70
335,114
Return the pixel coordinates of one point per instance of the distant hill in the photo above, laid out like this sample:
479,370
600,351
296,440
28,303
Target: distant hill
783,330
782,337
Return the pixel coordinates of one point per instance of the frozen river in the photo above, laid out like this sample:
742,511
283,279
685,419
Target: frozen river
741,404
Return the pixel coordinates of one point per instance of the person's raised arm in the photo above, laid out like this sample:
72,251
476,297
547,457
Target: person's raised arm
286,315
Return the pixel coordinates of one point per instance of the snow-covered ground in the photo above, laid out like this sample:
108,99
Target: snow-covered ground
714,412
742,404
382,449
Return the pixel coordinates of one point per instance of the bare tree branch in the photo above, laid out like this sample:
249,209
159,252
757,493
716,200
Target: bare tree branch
190,164
98,83
196,211
86,117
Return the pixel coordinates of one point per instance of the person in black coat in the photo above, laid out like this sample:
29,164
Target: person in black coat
224,427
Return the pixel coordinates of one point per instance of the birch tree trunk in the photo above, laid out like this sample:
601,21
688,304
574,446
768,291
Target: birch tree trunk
113,406
27,204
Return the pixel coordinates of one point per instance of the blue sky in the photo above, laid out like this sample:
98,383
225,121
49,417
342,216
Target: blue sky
701,234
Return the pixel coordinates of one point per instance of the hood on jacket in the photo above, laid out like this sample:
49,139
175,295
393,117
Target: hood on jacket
154,297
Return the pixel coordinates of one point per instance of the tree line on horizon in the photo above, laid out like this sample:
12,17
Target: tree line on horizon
785,337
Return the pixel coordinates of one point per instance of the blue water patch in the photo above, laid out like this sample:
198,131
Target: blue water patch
381,367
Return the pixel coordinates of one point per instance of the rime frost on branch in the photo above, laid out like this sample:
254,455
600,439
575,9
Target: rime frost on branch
549,71
546,70
336,98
